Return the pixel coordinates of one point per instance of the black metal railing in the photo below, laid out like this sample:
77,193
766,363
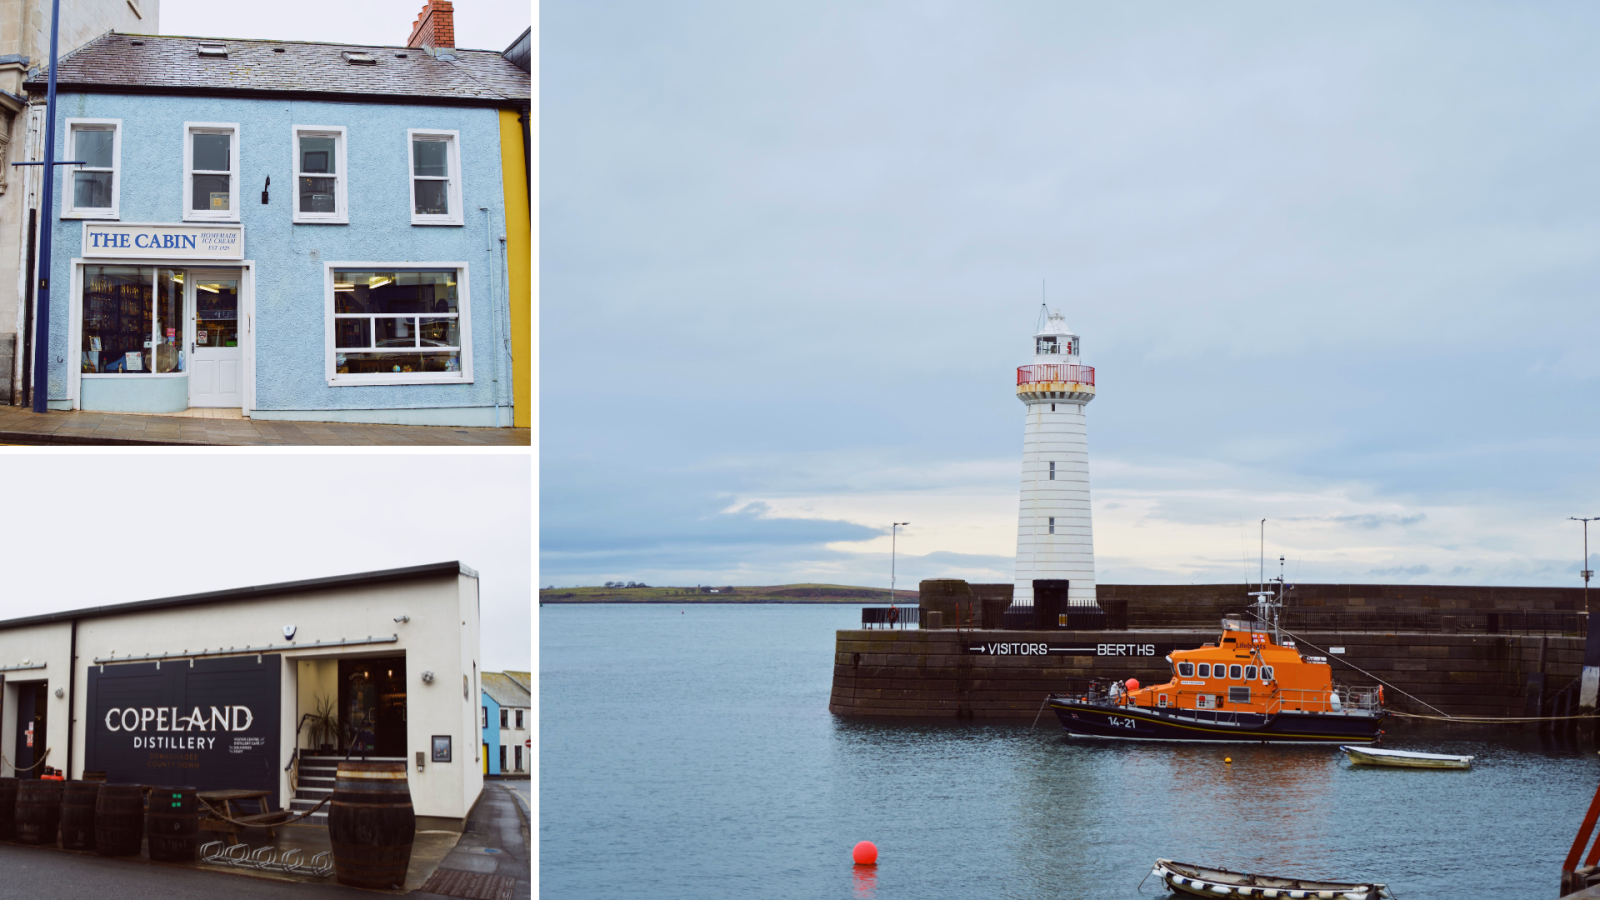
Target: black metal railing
1065,618
1508,622
890,616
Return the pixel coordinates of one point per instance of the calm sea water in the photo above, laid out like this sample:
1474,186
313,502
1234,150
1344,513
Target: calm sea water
689,752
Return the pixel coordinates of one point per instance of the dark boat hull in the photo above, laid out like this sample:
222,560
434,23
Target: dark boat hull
1089,718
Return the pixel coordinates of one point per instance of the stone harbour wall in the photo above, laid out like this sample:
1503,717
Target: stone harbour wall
924,674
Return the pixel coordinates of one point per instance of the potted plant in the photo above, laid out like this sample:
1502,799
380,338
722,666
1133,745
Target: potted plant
324,725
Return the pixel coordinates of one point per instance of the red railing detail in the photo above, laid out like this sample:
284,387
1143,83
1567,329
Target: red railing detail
1055,372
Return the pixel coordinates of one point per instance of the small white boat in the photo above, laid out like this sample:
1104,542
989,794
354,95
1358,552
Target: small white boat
1203,881
1373,756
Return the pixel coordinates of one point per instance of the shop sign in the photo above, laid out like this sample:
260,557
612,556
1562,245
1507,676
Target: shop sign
115,239
213,724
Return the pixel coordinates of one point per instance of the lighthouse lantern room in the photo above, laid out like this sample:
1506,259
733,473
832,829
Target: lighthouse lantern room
1055,534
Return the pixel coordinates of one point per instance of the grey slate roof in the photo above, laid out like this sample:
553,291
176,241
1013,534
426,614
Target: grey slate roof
255,592
166,64
505,690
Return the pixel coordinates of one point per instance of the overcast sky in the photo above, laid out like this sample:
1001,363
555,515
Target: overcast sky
91,529
1336,266
479,24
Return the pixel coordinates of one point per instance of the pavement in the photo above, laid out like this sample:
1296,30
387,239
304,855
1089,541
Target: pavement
489,861
21,425
492,858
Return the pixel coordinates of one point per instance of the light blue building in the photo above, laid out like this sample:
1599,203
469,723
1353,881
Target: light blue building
491,735
297,231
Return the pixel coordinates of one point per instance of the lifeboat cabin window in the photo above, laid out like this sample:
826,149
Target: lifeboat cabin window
1249,673
1185,670
1235,672
1238,695
1205,670
1266,673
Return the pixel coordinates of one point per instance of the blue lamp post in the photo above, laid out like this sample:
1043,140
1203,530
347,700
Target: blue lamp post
41,337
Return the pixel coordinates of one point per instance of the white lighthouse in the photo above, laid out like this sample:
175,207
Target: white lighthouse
1055,533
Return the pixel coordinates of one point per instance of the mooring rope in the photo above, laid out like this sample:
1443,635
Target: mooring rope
1489,719
1368,674
293,818
1442,715
30,768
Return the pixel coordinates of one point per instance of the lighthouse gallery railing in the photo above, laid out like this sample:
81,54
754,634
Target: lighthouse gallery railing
1055,372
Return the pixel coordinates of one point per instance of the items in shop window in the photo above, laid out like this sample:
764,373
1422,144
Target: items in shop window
94,344
201,336
133,361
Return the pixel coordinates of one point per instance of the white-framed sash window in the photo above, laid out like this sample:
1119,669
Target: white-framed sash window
321,179
435,160
92,190
210,171
398,323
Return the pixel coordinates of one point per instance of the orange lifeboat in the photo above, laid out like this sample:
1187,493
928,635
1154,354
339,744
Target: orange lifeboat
1245,687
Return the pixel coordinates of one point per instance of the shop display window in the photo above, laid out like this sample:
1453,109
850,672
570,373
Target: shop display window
132,320
397,324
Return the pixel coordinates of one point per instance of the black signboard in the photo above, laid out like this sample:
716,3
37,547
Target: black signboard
211,724
1132,649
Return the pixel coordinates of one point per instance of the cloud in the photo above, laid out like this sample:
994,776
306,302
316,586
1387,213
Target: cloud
793,260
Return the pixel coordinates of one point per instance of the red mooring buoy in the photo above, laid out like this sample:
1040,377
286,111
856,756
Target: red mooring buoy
865,854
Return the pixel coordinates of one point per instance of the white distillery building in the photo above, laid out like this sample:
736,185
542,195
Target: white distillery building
213,690
1055,532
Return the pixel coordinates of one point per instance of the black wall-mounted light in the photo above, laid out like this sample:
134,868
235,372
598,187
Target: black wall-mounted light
264,190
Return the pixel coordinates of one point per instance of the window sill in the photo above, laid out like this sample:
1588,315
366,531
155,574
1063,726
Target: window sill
107,215
219,220
413,378
343,220
450,222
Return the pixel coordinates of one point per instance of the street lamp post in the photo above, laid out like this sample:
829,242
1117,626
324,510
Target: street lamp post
1587,572
893,534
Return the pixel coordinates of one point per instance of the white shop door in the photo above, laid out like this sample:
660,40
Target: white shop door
215,357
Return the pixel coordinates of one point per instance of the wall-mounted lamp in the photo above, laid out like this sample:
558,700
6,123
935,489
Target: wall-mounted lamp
427,677
264,190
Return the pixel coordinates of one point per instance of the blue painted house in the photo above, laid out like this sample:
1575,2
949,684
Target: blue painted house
298,231
490,721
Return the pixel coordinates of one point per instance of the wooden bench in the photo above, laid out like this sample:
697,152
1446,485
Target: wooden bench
225,802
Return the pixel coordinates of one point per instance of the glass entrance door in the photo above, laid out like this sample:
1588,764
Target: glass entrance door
215,357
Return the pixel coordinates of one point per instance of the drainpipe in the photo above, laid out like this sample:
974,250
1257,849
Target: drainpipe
494,312
72,693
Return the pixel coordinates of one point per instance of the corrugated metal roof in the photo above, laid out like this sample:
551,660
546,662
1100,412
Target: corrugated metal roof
167,64
505,690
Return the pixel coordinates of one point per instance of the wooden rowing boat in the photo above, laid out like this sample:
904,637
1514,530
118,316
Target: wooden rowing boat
1373,756
1204,881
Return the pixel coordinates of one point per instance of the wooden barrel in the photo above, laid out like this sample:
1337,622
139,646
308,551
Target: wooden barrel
173,824
371,824
38,810
8,809
78,801
119,820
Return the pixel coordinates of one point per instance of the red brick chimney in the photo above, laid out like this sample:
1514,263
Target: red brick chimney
435,26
